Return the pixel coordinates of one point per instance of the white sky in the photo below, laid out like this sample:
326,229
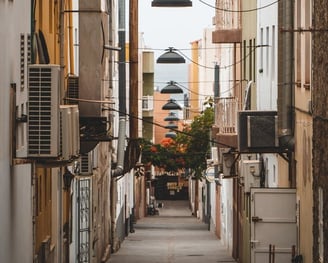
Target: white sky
175,26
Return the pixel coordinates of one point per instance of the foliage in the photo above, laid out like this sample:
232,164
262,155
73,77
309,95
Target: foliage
187,151
164,155
195,141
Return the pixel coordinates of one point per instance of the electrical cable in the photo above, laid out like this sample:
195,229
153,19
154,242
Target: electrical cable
144,119
239,11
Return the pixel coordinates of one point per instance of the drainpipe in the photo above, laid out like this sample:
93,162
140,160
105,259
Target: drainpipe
118,171
285,76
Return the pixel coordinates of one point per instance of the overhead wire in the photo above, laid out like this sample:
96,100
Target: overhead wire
239,11
143,119
208,67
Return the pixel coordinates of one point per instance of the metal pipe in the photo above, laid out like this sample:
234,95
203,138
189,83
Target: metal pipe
119,170
285,77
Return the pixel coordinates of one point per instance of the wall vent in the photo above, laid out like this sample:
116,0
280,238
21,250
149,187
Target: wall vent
86,164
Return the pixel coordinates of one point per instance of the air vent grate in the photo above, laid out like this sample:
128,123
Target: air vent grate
43,111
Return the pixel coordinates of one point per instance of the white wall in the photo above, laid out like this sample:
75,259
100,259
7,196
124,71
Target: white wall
15,184
267,35
226,213
267,89
208,59
213,205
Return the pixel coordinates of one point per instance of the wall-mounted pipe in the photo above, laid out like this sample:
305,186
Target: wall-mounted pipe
285,76
118,171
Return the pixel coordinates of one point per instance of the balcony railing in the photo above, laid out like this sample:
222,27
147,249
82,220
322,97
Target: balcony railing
226,115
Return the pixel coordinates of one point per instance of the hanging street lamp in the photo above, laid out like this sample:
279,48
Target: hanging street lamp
171,3
170,134
171,126
171,88
170,57
171,117
171,105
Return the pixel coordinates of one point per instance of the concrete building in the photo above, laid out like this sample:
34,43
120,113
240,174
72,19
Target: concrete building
319,118
228,96
16,203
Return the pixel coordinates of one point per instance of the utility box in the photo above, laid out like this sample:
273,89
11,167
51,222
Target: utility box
250,174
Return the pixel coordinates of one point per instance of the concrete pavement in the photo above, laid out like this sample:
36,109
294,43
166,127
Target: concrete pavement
173,236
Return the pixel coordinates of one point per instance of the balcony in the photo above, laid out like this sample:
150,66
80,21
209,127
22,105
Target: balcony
225,125
228,36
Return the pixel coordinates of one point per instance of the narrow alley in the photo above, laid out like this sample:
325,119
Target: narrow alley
173,236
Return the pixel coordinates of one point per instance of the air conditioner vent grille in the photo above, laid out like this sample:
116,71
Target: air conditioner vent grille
86,164
42,110
73,88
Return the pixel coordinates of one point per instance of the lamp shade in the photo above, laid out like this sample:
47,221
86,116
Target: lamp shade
171,88
170,57
171,126
171,105
171,117
171,3
170,134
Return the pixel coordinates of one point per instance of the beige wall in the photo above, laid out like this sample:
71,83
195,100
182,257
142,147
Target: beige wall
303,128
159,115
194,81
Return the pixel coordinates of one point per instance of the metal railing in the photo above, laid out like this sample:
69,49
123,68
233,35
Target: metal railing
226,115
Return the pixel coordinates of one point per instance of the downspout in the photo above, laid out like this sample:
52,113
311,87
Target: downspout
70,35
285,76
119,169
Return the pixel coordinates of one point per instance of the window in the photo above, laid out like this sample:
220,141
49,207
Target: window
267,50
147,103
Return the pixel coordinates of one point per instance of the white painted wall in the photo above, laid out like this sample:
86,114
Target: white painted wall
267,35
225,61
208,59
226,213
267,89
213,205
15,182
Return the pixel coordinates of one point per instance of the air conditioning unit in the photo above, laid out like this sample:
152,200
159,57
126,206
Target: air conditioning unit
250,174
69,132
86,164
66,131
258,131
43,111
76,130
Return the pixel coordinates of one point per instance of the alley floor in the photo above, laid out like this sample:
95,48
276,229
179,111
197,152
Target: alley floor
173,236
